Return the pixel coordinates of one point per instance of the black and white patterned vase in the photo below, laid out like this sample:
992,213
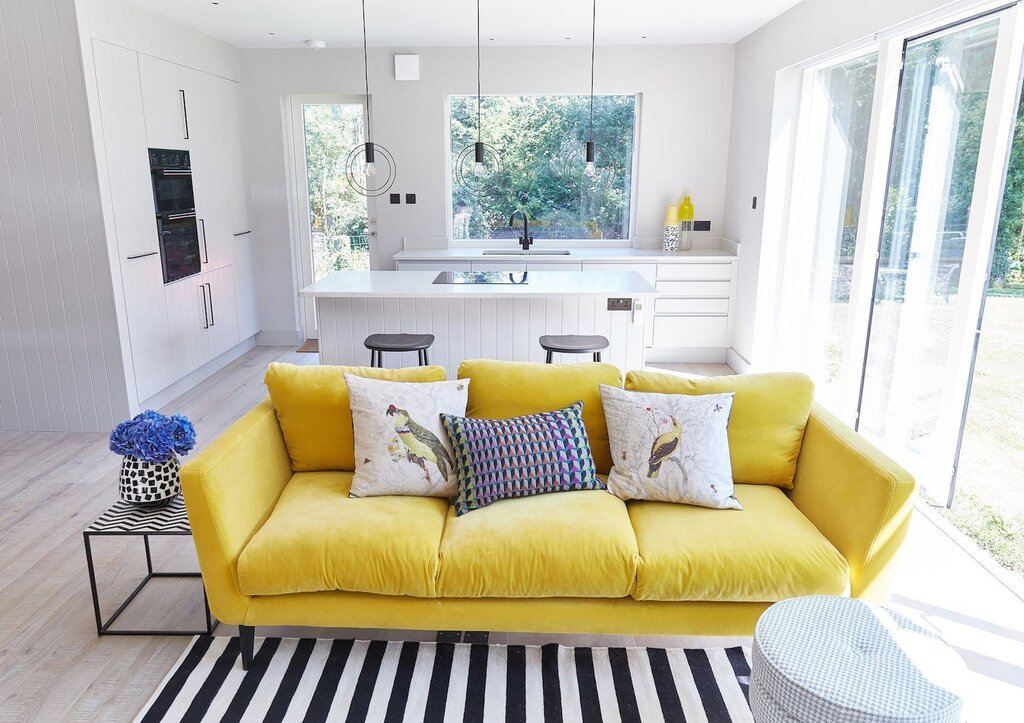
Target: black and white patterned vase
150,484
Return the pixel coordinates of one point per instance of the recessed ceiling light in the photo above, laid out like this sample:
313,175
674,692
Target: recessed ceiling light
643,37
271,33
490,38
568,37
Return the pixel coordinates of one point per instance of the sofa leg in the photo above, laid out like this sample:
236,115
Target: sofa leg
246,633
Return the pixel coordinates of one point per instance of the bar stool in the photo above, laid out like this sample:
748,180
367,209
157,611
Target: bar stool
380,343
574,344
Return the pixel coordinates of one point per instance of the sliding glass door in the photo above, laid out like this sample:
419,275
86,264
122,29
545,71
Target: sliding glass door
912,394
897,173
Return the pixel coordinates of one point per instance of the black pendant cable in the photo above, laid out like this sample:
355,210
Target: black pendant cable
472,179
362,160
590,170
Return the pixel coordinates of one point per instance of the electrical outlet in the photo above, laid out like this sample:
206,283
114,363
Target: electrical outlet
620,304
410,198
701,225
753,204
396,198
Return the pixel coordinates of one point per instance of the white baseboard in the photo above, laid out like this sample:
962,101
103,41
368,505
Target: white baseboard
175,390
280,337
685,355
736,361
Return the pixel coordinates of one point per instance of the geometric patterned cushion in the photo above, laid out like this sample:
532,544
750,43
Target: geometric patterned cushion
521,456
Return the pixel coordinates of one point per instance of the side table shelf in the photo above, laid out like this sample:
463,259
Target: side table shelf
124,518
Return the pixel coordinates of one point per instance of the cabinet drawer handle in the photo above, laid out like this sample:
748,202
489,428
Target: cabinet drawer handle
142,256
206,250
184,111
243,233
209,293
206,317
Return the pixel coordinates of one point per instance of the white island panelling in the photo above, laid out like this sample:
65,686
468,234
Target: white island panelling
479,321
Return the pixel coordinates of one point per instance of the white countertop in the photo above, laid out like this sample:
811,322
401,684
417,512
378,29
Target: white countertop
576,254
420,284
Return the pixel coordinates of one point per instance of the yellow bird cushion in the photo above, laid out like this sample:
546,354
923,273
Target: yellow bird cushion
766,428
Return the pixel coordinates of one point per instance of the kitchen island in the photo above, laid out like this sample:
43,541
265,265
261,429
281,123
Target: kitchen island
502,320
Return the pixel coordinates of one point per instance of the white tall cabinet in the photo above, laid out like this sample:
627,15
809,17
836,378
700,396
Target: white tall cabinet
174,330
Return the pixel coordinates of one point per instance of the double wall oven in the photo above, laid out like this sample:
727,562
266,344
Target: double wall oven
177,226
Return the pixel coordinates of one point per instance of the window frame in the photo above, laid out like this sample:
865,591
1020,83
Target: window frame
539,243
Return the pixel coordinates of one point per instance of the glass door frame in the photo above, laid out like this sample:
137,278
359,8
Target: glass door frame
301,234
986,202
795,153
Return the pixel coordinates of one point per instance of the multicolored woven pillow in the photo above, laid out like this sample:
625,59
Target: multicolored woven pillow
521,456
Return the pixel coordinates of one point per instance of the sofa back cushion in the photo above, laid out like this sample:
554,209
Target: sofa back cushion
314,412
766,428
501,389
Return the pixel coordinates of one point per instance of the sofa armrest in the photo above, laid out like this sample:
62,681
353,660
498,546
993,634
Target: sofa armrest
230,489
856,496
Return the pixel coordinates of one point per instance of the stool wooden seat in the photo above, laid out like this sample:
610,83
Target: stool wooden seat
573,344
380,343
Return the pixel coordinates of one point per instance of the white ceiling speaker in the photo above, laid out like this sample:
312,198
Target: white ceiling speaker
316,44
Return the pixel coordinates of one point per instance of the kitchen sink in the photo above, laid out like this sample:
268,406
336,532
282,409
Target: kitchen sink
530,252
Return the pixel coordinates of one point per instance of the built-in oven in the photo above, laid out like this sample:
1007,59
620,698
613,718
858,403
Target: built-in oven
176,221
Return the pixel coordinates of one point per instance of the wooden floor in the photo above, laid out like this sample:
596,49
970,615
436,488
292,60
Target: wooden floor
54,667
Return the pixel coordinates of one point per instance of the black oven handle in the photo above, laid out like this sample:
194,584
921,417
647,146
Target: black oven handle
177,216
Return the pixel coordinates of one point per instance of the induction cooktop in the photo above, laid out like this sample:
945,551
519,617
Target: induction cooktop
482,277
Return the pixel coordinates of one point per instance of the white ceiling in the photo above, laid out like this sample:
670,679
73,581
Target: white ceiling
411,23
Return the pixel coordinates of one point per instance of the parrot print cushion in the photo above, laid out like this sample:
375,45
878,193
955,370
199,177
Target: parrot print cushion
670,447
521,456
400,446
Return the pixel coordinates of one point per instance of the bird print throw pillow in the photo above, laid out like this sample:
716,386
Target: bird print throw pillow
670,447
400,446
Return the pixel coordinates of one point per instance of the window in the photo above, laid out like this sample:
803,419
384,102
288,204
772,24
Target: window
826,224
540,140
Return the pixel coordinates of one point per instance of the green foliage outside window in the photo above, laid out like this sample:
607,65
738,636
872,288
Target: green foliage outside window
337,214
540,139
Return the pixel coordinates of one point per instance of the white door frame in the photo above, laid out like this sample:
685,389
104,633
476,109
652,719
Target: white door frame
301,235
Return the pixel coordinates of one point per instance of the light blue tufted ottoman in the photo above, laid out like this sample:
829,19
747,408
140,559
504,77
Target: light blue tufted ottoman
822,659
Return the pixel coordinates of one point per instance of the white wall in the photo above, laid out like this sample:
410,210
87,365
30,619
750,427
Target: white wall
60,359
809,29
683,140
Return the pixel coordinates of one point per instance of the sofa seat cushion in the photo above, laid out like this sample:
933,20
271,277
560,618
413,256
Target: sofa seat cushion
318,538
766,552
572,544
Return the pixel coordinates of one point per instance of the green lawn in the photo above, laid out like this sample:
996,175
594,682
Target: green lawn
989,502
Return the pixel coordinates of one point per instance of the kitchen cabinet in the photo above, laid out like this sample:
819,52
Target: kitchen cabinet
221,326
434,266
166,102
148,333
174,329
121,118
210,134
691,318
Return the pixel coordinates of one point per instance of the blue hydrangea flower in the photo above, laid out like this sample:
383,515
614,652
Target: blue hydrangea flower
153,437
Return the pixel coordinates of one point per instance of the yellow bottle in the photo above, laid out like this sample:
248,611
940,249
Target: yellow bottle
686,224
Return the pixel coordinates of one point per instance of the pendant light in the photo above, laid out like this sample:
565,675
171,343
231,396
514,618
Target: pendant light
473,182
363,159
590,169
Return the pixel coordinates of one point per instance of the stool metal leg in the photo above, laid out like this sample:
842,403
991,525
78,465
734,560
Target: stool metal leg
426,359
549,356
597,356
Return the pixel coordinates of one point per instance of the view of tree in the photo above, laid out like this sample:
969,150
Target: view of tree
541,143
337,214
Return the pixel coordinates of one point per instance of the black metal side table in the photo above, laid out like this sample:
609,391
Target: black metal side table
124,518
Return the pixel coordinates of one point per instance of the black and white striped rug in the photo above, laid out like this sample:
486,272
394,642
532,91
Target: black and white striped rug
345,680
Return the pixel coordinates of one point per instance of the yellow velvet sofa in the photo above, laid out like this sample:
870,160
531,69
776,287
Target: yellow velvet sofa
280,542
